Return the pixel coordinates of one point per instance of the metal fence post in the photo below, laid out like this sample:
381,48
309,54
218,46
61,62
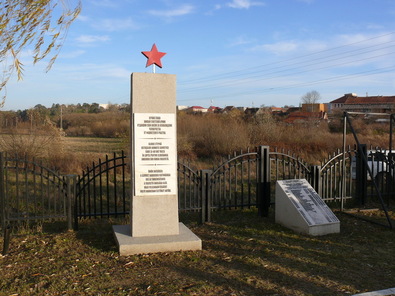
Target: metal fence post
70,181
205,178
2,193
316,182
6,242
263,182
75,226
361,174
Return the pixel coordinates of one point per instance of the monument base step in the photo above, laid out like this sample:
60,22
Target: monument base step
186,240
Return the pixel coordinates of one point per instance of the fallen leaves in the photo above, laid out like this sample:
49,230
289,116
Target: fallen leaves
129,263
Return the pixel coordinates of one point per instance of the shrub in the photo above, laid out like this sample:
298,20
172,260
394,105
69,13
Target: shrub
79,131
265,129
111,128
211,135
107,124
42,142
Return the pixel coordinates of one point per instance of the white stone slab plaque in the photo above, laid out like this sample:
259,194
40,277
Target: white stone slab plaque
155,154
299,207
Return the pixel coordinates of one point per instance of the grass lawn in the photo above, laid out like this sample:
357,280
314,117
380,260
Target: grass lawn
94,145
242,254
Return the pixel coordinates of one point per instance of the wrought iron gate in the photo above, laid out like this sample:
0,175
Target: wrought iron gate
241,181
31,192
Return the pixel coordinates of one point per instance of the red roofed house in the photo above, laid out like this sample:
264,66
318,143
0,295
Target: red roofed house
195,109
277,110
213,109
227,109
375,104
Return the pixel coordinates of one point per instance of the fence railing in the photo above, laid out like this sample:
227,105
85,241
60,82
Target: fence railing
189,188
336,181
103,189
241,181
29,191
233,184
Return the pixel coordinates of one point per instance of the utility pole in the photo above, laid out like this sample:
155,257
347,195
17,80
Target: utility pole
61,117
31,121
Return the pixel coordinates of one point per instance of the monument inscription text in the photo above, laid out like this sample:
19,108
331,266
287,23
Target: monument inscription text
155,154
308,202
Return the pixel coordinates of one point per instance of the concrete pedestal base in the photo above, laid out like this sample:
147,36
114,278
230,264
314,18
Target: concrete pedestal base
186,240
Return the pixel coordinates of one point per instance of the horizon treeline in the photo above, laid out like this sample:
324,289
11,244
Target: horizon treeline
89,120
39,113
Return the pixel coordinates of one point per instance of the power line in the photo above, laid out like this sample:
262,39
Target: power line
335,78
262,78
253,69
298,66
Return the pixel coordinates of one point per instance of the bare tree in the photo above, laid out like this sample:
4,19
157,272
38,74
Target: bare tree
38,24
311,97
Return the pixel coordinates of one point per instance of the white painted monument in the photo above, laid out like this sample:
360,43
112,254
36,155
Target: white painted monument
154,225
300,208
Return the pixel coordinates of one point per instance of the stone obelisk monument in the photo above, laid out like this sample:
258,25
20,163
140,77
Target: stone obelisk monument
154,224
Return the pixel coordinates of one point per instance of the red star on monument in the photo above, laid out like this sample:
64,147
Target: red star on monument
153,56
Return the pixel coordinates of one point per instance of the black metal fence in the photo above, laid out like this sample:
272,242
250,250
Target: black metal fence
333,179
240,181
29,191
233,184
103,189
243,180
189,188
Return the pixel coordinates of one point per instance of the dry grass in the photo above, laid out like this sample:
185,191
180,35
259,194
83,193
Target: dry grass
202,139
94,145
213,135
210,135
69,155
43,142
80,152
242,254
106,124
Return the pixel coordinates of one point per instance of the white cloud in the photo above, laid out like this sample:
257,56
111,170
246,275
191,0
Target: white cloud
277,48
241,40
238,4
91,39
307,1
349,39
372,26
364,39
72,54
111,25
339,42
180,11
93,72
116,72
82,18
244,4
105,3
314,45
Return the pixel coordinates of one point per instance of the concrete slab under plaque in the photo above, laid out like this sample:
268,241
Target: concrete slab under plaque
300,208
186,240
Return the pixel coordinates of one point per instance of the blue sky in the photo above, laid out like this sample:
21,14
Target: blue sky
224,52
